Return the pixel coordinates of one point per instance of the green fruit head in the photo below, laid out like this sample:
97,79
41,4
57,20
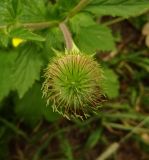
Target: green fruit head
72,84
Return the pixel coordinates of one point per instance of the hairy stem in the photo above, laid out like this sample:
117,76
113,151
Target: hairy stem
40,25
34,26
67,35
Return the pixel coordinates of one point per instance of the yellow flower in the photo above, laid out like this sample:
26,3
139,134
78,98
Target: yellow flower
17,41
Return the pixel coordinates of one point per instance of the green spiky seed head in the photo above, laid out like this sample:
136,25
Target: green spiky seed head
72,84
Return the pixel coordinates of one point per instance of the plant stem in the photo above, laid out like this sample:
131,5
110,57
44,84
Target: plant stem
36,26
40,25
47,24
64,28
119,19
115,146
135,129
132,129
109,151
13,128
78,7
116,20
67,35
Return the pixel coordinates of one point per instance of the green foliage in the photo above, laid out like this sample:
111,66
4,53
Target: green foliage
93,38
18,11
49,115
81,20
27,68
89,36
31,127
29,104
94,138
54,40
32,102
124,8
34,11
21,68
25,34
7,60
111,83
4,39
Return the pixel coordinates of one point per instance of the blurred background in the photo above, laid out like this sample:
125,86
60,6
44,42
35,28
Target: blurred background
118,32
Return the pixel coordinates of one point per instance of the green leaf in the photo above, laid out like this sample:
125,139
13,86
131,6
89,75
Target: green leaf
5,12
4,39
93,138
27,68
95,37
10,11
49,115
54,39
89,36
34,11
14,11
30,107
17,7
124,8
65,6
81,20
111,83
25,34
7,60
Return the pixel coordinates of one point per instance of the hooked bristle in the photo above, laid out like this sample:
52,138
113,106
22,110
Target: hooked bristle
72,84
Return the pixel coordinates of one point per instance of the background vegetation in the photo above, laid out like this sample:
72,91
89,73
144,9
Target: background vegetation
116,32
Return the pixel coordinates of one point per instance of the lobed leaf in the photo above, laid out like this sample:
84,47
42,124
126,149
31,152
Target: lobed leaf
7,61
96,37
25,34
124,8
26,69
